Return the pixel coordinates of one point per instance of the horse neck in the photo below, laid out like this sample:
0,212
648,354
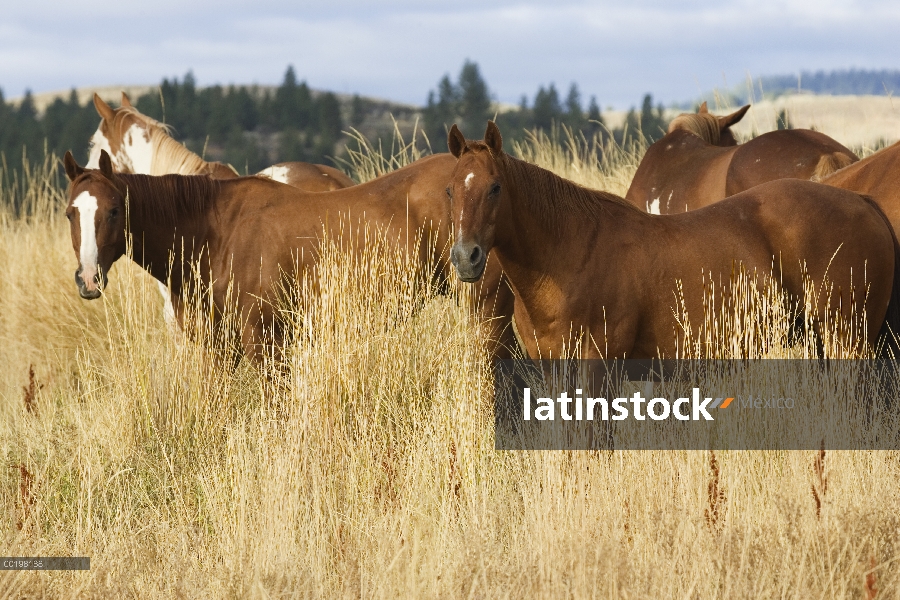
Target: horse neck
162,215
549,224
169,156
879,162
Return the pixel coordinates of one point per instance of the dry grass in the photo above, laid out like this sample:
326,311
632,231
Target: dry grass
366,467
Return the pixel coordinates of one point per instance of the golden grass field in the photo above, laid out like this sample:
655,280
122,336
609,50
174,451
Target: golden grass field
365,467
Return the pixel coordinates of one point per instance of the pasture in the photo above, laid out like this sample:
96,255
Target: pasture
365,465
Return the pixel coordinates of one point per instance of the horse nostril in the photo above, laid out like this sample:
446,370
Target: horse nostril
475,257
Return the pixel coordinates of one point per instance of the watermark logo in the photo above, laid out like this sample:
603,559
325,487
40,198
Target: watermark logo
579,408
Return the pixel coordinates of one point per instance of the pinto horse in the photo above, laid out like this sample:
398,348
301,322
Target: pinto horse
581,260
139,144
255,233
698,162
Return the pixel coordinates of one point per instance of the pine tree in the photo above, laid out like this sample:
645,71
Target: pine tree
547,109
293,103
474,100
357,111
595,125
574,116
330,124
441,112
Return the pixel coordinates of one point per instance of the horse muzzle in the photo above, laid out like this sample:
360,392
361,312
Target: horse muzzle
469,260
100,282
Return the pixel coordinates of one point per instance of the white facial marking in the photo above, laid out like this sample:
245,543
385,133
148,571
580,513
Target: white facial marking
653,207
137,151
98,143
87,208
276,173
468,180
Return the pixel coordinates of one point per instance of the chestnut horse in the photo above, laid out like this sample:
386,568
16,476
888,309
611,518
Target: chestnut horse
581,260
254,232
698,162
877,176
139,144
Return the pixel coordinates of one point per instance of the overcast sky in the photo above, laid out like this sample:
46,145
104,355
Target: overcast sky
398,49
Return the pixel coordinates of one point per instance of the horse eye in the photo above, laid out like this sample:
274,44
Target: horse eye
113,213
495,189
449,193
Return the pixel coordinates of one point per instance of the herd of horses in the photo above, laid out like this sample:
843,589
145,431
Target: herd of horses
550,258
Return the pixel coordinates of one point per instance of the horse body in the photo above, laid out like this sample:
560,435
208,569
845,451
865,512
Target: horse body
583,260
254,232
138,144
697,164
875,176
784,154
668,181
307,176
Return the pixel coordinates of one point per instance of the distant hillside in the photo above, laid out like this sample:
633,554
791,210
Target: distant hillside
852,82
846,82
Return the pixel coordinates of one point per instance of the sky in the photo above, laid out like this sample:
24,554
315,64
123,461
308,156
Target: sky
399,49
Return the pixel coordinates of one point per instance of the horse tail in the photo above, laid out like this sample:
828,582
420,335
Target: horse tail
890,328
830,163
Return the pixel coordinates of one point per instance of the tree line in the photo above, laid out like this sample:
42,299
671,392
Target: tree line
248,127
252,127
467,102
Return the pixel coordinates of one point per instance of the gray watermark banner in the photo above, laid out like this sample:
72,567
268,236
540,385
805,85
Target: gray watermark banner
45,563
697,405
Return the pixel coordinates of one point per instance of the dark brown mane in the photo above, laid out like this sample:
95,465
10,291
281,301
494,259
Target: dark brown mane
169,198
555,198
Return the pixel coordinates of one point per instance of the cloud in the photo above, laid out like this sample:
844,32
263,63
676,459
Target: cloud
399,49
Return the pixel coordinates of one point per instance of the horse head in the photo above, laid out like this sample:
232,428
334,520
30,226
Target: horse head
124,134
715,130
96,214
475,193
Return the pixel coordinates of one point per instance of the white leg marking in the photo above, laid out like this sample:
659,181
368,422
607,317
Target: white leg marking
276,173
87,208
653,207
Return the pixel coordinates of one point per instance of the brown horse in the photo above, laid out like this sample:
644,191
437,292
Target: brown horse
697,163
585,260
253,230
139,144
877,176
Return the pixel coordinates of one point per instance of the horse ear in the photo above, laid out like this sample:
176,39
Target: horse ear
703,108
105,164
72,168
456,141
125,101
493,138
729,120
103,109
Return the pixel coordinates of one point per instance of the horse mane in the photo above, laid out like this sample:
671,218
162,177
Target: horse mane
703,125
554,198
169,156
169,198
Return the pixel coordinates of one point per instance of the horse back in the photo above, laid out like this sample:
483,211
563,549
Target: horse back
785,154
679,172
877,176
795,230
